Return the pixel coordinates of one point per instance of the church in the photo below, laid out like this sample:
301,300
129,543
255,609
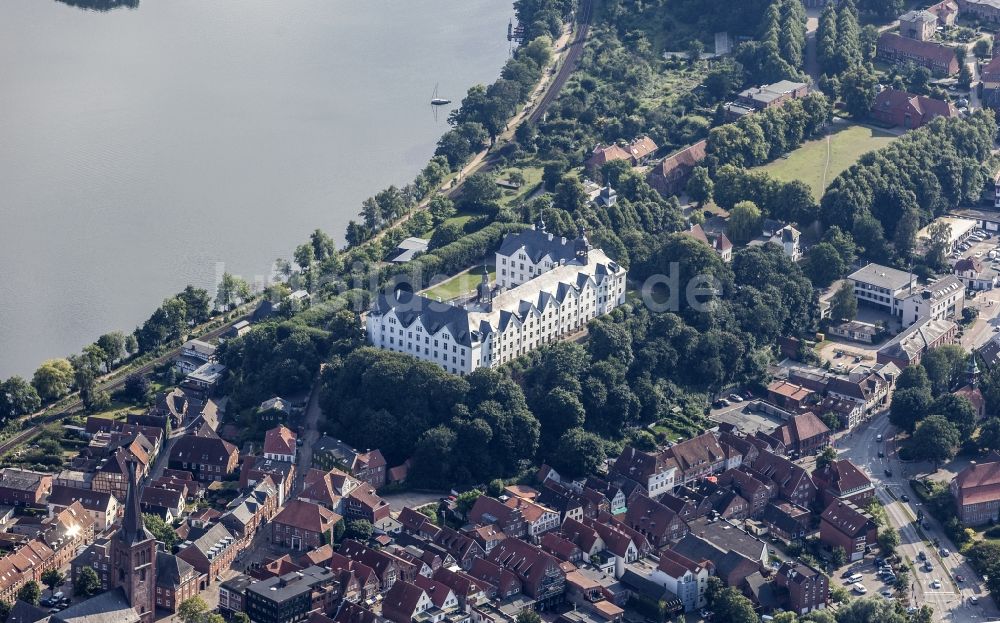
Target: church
131,597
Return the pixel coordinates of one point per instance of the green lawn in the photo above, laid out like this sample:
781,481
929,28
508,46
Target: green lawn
818,162
532,178
463,283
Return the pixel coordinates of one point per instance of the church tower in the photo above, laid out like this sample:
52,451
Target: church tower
133,556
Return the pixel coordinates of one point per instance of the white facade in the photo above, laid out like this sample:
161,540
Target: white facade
557,302
688,586
945,298
883,287
662,482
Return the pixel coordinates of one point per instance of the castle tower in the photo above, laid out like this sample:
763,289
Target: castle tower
484,291
133,556
582,247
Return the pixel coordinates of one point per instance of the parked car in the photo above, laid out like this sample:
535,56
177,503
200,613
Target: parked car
921,556
936,584
904,497
973,600
959,577
860,589
881,454
928,567
878,437
945,552
888,473
735,398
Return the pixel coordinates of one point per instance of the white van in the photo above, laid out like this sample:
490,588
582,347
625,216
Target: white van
854,579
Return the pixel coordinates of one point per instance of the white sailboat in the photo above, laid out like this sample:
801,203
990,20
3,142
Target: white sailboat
438,101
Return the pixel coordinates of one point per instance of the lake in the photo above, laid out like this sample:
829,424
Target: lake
145,148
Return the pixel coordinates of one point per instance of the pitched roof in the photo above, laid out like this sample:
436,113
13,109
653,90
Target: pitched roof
97,501
171,570
203,447
607,153
688,157
916,339
937,53
842,477
280,440
697,451
804,426
108,607
847,518
307,516
979,483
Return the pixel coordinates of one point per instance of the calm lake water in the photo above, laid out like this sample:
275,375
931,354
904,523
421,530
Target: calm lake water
143,148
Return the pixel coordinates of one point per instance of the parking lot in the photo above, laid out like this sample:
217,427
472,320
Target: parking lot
870,580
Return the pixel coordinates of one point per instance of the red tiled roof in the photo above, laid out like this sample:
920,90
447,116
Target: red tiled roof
690,156
935,52
307,516
280,440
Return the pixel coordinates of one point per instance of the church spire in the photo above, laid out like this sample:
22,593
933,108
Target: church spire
133,530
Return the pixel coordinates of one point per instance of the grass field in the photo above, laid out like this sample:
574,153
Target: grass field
817,162
463,283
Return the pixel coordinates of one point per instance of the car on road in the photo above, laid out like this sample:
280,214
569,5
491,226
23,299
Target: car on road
945,552
959,577
888,473
878,437
928,567
973,600
936,584
904,498
921,556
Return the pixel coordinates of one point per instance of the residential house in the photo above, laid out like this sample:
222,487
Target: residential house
247,513
697,458
368,466
786,521
210,551
656,473
101,506
279,444
204,454
363,503
945,11
509,519
804,433
167,503
670,175
20,487
541,576
719,242
845,525
256,468
789,396
975,275
899,108
538,519
683,577
405,602
807,587
772,95
463,548
655,521
176,581
990,77
793,482
940,59
843,480
302,526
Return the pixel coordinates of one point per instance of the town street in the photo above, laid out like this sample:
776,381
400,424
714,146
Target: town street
951,601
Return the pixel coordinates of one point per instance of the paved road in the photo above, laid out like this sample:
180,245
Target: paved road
951,601
309,436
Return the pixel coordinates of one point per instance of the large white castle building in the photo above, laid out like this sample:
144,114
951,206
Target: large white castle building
547,288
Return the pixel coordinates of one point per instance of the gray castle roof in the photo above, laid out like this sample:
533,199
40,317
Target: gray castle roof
537,243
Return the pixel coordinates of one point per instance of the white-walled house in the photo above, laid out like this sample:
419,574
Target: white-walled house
502,324
683,577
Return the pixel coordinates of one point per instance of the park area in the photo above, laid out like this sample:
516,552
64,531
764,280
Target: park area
463,283
818,162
